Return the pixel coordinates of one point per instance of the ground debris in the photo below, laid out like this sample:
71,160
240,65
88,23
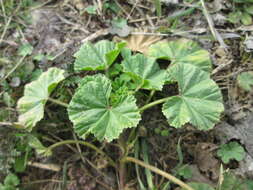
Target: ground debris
243,132
204,156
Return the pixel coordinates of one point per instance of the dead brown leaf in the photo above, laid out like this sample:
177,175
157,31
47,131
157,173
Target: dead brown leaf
140,42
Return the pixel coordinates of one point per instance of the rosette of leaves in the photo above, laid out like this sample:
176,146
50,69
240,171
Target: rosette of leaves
199,101
97,56
92,111
103,107
31,105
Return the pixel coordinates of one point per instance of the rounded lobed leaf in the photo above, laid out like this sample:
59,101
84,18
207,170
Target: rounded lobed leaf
232,150
91,111
11,180
182,51
245,80
145,71
31,105
97,57
199,101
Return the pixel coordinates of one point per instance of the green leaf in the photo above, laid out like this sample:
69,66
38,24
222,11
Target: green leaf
248,8
119,22
199,101
97,57
145,72
182,51
7,187
91,9
249,184
25,49
31,105
235,17
200,186
7,99
185,171
246,18
20,163
92,112
158,7
243,1
11,180
232,182
245,80
232,150
111,6
35,143
165,133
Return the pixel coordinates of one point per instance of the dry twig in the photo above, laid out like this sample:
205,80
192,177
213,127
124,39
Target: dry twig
214,32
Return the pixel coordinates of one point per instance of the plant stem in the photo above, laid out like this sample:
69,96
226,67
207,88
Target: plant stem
122,175
58,102
153,104
141,109
150,96
50,148
122,165
158,171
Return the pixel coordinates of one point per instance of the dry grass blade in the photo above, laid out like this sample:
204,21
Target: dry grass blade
214,32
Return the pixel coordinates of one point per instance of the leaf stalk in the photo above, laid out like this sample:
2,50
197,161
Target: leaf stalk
158,171
160,101
50,148
58,102
153,104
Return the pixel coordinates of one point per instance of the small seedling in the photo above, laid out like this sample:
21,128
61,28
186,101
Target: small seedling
245,80
230,151
11,182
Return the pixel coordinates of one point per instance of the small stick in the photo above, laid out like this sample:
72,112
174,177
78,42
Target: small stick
3,9
73,24
5,29
14,68
214,32
6,124
42,181
58,102
123,10
134,6
222,66
143,19
52,167
95,35
158,171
